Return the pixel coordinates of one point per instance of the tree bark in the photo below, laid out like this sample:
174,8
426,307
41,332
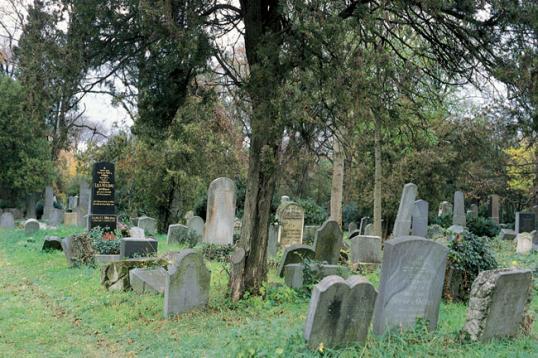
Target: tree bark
378,176
337,186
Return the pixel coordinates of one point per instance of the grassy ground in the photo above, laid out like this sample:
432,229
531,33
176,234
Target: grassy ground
48,309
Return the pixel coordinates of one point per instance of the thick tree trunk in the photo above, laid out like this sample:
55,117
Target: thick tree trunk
378,176
337,186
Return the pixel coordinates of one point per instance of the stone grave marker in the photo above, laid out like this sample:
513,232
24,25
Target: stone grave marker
7,221
352,227
366,249
494,208
177,233
354,234
56,217
498,304
445,208
309,234
524,243
420,218
136,232
458,217
369,230
402,224
31,206
149,225
340,312
72,203
291,219
48,204
71,219
364,221
525,222
187,284
474,210
196,224
412,277
507,234
328,242
148,280
219,227
102,206
31,226
294,273
272,242
295,254
83,203
132,248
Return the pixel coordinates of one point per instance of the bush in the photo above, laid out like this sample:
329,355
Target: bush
313,213
105,243
481,226
213,252
351,214
445,221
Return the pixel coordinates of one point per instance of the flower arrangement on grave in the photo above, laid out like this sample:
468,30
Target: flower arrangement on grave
105,242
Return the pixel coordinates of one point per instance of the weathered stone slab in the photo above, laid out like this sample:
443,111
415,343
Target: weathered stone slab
291,219
106,259
48,204
494,208
309,234
412,277
294,273
402,224
295,254
83,203
474,210
272,243
187,284
420,218
136,232
445,208
369,230
56,217
364,221
458,217
31,226
177,234
507,234
352,227
524,243
71,219
197,225
148,280
31,206
149,225
131,247
340,312
220,215
7,221
498,304
115,275
78,250
328,242
366,249
525,222
52,243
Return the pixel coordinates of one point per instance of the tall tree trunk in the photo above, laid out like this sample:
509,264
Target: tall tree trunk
378,176
337,186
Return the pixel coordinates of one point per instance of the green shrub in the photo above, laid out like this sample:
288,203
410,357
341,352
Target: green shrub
313,213
482,226
444,221
105,243
213,252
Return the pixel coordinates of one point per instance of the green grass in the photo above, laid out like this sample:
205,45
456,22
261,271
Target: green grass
48,309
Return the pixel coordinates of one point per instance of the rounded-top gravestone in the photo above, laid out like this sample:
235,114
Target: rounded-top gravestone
31,226
7,221
220,215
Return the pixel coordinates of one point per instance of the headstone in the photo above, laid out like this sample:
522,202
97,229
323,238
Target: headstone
294,273
524,243
177,234
78,250
328,242
31,226
115,275
364,221
132,248
295,254
420,218
189,214
102,208
445,208
196,224
412,277
17,213
291,219
340,312
354,234
149,225
458,217
284,199
103,259
352,227
498,304
219,227
52,243
48,204
31,206
56,217
402,224
369,230
525,222
83,204
366,249
136,232
187,283
71,219
71,202
507,234
309,234
148,280
534,235
494,207
474,210
7,221
272,243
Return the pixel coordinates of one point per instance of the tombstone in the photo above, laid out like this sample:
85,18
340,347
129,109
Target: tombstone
458,217
366,249
352,227
445,208
328,242
102,205
48,204
83,203
291,219
494,206
339,312
189,214
78,250
132,248
309,234
364,221
237,227
284,199
31,226
524,243
412,277
136,232
507,234
219,226
534,235
535,211
187,283
31,206
72,203
294,273
56,217
474,210
71,219
147,280
272,242
52,243
369,230
525,222
7,221
354,234
196,224
295,254
498,304
149,225
402,224
177,234
420,218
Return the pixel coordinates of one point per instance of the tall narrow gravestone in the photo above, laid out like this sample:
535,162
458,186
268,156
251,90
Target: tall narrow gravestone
402,225
83,203
494,207
219,226
48,205
412,277
328,242
458,217
525,222
31,206
420,218
291,219
445,208
102,209
196,224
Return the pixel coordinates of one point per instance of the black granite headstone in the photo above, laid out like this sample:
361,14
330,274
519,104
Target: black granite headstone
525,222
102,208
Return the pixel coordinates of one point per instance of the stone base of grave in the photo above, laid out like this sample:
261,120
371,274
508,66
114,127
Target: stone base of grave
131,247
71,219
148,280
507,234
106,259
115,275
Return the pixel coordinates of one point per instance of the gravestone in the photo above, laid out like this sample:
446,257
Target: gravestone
402,224
72,203
354,234
31,226
474,210
78,250
494,207
295,254
219,227
7,221
507,234
102,208
83,203
71,219
187,284
412,277
364,221
147,280
31,206
369,230
132,248
177,234
420,218
445,208
48,204
52,243
294,273
56,217
458,217
366,249
525,222
149,225
352,227
524,243
309,234
339,312
498,304
196,224
328,242
272,242
115,275
284,199
291,221
136,232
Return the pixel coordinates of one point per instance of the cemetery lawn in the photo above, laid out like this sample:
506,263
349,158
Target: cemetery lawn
48,309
